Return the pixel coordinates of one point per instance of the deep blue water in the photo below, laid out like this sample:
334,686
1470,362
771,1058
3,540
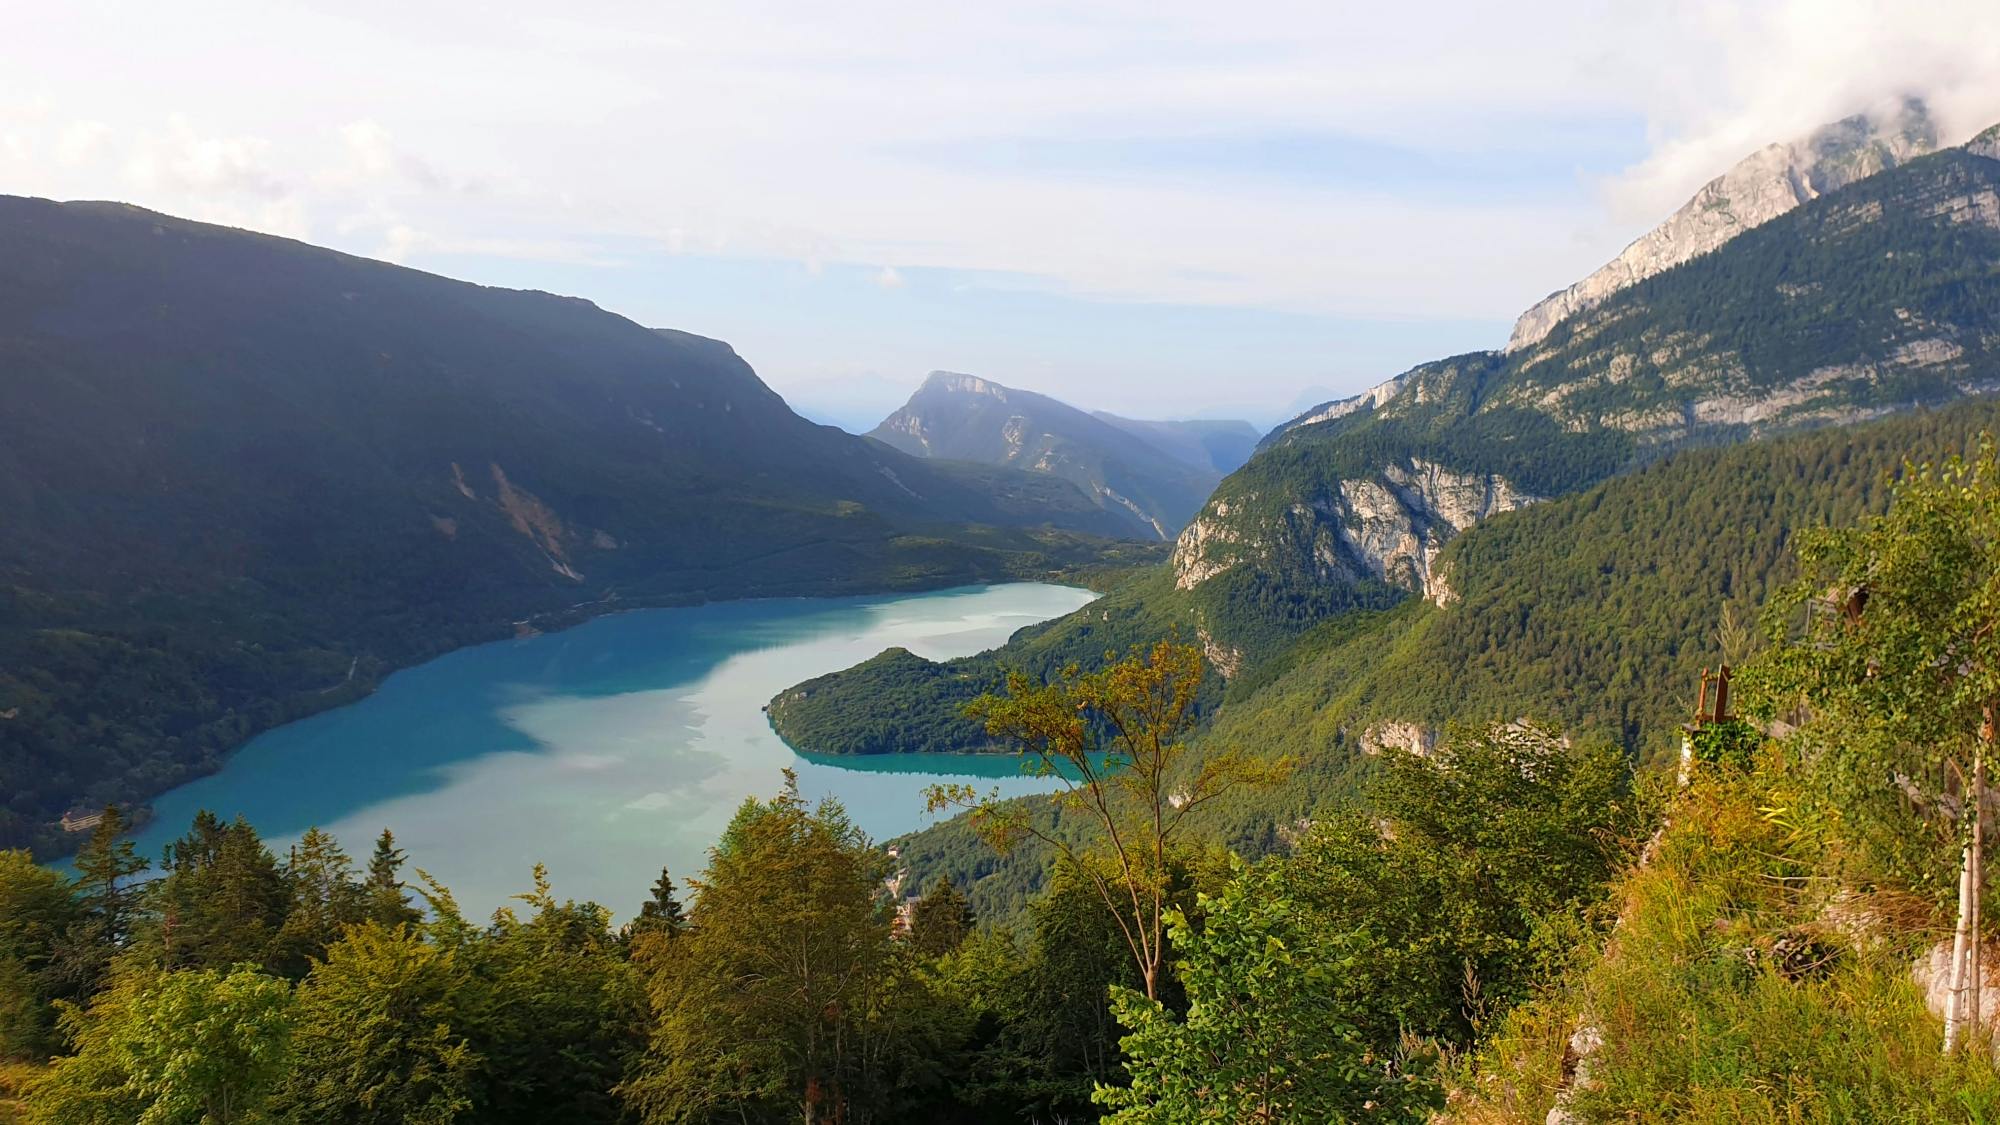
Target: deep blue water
607,750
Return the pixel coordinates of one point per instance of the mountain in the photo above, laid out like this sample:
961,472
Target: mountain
1877,299
1594,610
1213,444
957,417
1873,299
245,477
1764,185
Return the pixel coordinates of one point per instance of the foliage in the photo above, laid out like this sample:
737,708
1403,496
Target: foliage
661,913
1704,1021
39,912
786,995
1887,642
1470,873
1265,1037
223,898
388,902
179,1047
1731,744
381,1034
1118,740
940,920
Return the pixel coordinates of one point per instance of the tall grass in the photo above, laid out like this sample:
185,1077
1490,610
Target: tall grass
1728,993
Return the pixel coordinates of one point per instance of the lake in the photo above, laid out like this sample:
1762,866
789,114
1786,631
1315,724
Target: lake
606,750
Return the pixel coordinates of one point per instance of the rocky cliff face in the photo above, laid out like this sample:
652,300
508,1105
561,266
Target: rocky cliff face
1763,186
1388,526
1986,144
1878,299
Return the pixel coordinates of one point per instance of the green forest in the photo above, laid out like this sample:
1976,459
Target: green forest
1727,938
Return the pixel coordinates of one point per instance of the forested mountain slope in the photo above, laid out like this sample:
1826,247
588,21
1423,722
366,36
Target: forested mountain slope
1759,188
244,476
1126,472
1879,297
1596,611
1869,300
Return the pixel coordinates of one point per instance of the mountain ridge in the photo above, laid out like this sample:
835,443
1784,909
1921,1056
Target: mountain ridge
1758,188
247,476
1120,465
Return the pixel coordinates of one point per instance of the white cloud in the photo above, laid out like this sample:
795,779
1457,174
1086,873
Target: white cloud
1780,69
811,134
80,141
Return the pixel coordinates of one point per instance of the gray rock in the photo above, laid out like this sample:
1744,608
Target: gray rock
1761,187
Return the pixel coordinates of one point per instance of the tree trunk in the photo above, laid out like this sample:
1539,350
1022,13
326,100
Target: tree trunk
1975,972
1961,1010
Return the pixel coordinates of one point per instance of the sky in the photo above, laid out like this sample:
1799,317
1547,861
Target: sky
1159,208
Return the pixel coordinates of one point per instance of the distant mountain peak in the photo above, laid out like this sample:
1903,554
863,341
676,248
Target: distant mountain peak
958,383
1154,474
1761,186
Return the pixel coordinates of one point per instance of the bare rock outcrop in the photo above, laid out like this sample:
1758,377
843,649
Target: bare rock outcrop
1761,187
1389,526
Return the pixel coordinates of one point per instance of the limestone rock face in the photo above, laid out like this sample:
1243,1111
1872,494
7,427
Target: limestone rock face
1761,187
1986,144
1389,526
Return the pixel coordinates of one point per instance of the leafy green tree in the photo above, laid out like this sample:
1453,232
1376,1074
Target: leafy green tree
325,899
381,1034
38,908
1896,669
561,1013
388,899
1265,1037
223,898
183,1047
786,998
1117,739
941,920
1470,854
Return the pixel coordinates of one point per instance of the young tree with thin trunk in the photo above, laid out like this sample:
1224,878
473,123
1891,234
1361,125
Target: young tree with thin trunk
1118,740
1897,668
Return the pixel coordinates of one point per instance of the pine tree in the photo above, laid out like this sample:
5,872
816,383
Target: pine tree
325,899
941,921
661,914
103,865
387,901
223,899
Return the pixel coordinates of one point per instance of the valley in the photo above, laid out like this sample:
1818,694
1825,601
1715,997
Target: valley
1596,725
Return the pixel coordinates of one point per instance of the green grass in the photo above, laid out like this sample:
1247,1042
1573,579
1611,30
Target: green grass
1699,1026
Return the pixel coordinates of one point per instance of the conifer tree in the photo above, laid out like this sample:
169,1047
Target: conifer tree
661,913
388,903
223,899
325,899
104,866
941,921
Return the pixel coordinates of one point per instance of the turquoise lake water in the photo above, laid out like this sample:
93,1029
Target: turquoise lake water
606,750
